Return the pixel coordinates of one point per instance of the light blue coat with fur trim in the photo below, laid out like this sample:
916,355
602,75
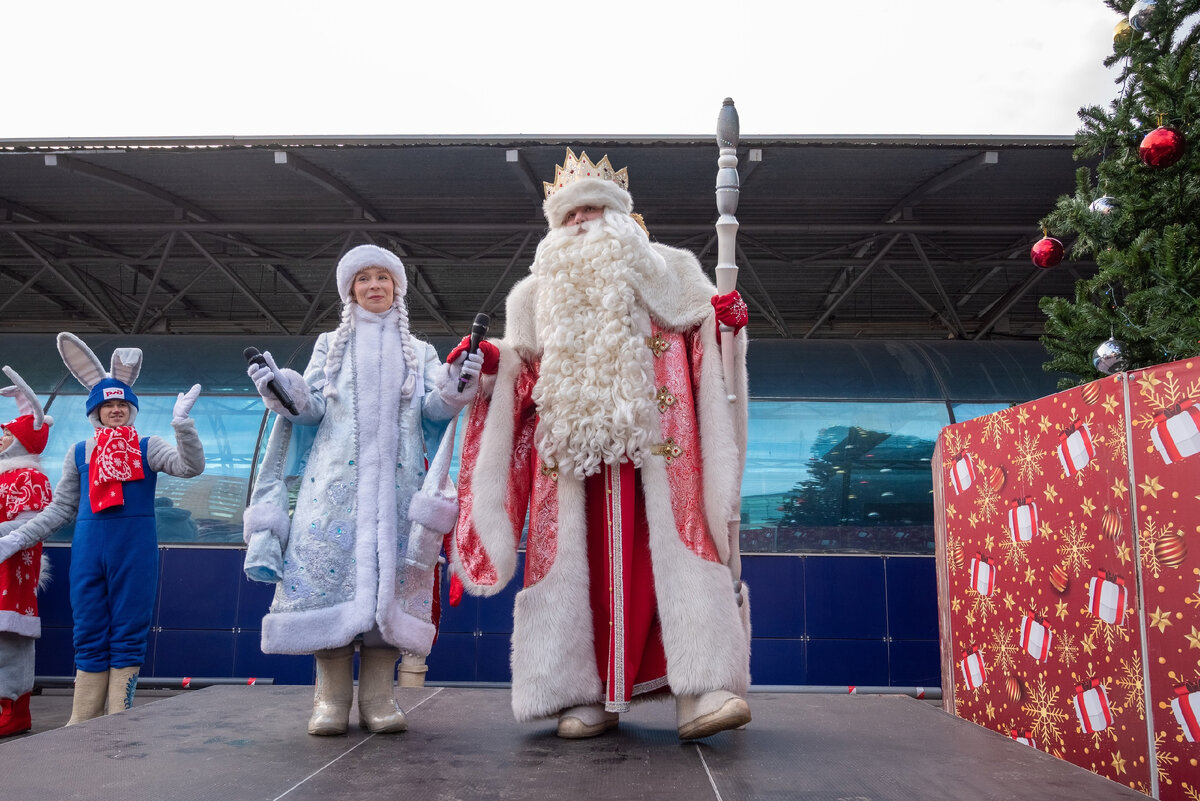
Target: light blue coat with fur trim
343,571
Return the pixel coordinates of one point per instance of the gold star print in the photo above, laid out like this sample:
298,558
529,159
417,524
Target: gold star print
1022,414
1044,424
1029,575
950,510
1123,552
1110,403
1193,638
1118,763
1148,382
991,711
1119,489
1088,506
1051,493
971,618
1009,601
1044,529
1160,619
973,519
956,604
1088,644
989,543
1150,486
1060,609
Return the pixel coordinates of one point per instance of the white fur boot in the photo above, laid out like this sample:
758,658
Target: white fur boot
90,692
335,691
377,707
703,715
122,684
585,720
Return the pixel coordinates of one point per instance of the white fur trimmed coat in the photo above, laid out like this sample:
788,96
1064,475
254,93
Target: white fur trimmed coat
343,571
690,486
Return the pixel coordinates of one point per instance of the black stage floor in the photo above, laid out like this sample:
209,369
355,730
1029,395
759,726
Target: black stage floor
240,743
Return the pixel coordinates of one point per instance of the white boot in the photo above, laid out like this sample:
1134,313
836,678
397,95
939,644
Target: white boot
335,691
585,720
90,692
412,671
377,707
703,715
122,684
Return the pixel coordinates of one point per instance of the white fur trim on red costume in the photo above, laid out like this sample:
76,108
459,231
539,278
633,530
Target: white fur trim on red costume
363,256
588,192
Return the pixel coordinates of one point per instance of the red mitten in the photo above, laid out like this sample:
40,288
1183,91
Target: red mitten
731,310
491,354
456,590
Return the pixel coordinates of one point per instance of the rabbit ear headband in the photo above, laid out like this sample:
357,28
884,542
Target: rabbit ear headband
113,384
31,427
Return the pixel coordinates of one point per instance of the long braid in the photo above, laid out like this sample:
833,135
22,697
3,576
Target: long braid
412,369
337,351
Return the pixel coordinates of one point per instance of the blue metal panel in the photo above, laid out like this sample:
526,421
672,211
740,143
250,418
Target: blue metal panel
191,652
844,597
781,661
912,598
452,658
847,662
54,602
916,662
54,654
776,585
493,658
250,662
198,588
254,598
496,612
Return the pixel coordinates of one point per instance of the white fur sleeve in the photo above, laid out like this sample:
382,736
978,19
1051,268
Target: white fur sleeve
185,460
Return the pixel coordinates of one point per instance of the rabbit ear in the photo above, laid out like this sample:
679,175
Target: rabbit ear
80,360
27,402
126,364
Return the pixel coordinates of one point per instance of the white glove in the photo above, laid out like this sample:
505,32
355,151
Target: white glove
8,546
263,374
184,403
466,365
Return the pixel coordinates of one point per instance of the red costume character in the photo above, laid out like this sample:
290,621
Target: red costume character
607,419
24,490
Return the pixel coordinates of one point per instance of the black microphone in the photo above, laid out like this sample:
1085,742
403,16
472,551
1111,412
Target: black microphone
253,356
478,332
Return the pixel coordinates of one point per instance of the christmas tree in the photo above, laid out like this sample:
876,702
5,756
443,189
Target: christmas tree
1137,213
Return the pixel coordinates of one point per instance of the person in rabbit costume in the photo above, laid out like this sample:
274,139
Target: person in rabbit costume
24,491
114,553
379,399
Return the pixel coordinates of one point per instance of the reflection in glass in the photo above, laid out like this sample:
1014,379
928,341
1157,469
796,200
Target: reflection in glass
840,477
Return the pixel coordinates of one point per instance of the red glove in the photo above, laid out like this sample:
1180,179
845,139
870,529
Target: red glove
456,590
491,354
731,310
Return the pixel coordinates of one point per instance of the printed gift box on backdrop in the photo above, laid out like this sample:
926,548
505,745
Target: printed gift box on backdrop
1079,508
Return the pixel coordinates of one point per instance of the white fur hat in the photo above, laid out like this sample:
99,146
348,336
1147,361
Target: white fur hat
362,257
585,192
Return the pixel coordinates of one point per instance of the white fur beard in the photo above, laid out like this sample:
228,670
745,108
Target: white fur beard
595,393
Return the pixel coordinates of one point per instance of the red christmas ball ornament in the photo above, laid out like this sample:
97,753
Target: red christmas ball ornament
957,560
1162,147
1091,393
1059,578
1013,689
1171,549
996,478
1047,252
1110,523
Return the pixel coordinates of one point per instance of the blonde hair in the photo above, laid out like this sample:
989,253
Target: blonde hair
341,338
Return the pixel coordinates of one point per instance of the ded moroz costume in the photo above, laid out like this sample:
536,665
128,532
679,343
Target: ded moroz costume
608,419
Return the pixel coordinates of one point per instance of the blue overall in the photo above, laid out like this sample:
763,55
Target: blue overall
114,573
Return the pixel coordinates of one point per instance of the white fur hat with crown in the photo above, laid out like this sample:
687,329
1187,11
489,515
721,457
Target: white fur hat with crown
579,182
362,257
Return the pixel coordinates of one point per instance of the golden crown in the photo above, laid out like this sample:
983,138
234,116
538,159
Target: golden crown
577,169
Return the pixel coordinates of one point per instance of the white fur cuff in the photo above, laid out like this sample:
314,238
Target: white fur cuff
265,517
436,513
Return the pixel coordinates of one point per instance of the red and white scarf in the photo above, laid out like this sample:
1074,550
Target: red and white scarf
117,458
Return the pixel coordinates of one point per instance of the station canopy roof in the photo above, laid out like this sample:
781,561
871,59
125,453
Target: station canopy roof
840,237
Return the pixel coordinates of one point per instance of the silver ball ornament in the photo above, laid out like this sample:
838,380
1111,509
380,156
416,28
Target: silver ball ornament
1109,357
1105,204
1140,13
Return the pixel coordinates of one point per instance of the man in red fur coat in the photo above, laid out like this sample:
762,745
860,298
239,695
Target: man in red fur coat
606,416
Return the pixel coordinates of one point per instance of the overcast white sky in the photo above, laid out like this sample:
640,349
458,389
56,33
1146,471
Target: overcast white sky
426,67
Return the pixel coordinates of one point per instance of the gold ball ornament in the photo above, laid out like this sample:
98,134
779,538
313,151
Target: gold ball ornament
1059,579
1091,393
1122,34
1110,523
1013,689
1171,549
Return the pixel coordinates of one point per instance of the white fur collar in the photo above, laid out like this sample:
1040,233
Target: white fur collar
676,293
19,461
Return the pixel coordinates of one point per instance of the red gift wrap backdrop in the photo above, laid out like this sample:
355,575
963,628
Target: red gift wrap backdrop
1085,506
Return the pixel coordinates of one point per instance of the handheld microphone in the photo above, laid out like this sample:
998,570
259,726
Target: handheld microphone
254,356
479,330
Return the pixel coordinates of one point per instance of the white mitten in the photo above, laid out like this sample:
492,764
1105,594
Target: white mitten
8,546
184,403
468,366
262,374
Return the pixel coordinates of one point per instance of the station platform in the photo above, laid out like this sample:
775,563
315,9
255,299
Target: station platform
248,743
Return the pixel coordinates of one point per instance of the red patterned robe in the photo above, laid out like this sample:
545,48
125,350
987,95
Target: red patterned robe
22,489
626,586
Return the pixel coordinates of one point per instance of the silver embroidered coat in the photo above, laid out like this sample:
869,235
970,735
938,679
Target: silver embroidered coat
343,568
